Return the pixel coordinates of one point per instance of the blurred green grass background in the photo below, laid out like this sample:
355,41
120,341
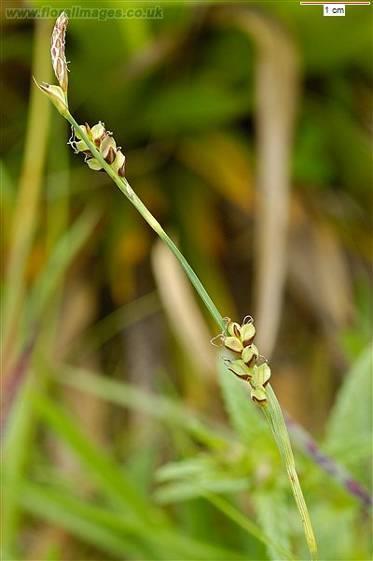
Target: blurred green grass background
121,438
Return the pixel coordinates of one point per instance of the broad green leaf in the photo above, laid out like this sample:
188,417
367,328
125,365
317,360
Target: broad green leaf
333,520
350,422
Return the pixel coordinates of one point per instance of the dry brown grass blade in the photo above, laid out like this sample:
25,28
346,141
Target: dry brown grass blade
318,270
321,281
276,93
182,310
276,85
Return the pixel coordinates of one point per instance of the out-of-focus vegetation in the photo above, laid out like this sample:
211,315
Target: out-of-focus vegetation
123,438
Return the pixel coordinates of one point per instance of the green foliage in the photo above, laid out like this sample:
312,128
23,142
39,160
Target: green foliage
273,514
95,525
63,254
348,434
194,478
113,480
176,478
132,514
163,409
16,446
191,107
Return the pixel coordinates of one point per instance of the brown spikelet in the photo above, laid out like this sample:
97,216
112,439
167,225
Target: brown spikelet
110,156
58,51
122,171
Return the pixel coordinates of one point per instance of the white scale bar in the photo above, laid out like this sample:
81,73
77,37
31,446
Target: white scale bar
315,3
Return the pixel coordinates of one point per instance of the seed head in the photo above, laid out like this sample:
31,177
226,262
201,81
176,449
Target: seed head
105,144
58,51
238,340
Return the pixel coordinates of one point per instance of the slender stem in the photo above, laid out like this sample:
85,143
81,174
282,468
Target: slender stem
127,190
273,413
272,408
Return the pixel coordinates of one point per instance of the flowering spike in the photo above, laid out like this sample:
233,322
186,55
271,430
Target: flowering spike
104,143
58,51
238,339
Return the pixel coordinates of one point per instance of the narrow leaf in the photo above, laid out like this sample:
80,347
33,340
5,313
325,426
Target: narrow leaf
61,258
273,414
112,480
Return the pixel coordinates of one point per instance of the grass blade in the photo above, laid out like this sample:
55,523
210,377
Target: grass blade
96,526
244,522
274,416
65,251
15,450
155,405
113,481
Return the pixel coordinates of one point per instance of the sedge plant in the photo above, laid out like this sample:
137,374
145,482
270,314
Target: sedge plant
242,356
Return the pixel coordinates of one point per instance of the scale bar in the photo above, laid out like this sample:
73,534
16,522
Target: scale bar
316,3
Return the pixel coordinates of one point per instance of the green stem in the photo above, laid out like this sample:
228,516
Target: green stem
275,418
272,408
127,190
